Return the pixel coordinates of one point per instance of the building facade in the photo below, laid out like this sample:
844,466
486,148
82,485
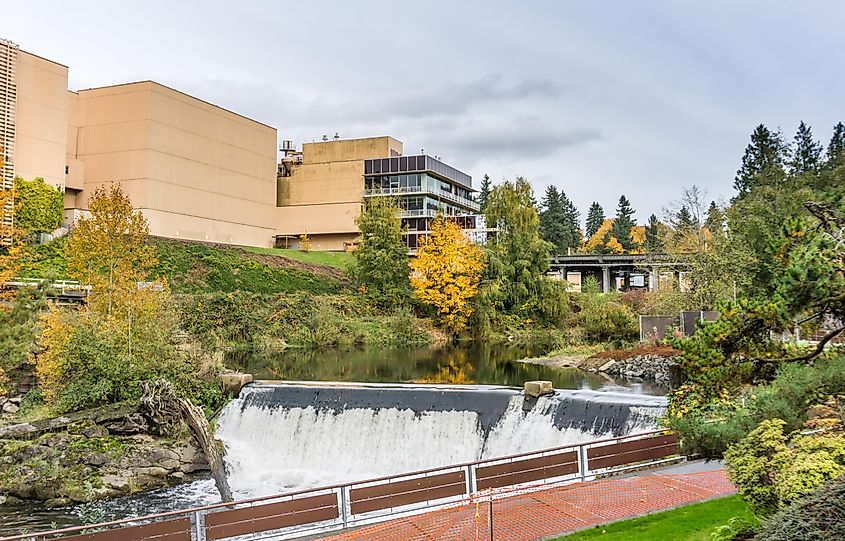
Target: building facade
195,170
323,189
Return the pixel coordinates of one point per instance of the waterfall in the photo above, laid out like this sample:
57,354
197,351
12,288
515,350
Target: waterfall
285,437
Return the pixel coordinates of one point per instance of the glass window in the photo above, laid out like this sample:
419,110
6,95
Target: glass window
403,164
385,165
394,165
368,167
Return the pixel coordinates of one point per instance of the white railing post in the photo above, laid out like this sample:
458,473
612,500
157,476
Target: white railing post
343,499
582,461
470,480
199,526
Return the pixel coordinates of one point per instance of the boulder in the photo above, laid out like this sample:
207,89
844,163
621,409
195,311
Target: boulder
538,388
233,382
607,366
10,407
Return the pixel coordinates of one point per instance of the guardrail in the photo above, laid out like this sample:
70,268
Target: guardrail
64,288
336,507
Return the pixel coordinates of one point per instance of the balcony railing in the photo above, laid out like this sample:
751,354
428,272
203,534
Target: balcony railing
376,192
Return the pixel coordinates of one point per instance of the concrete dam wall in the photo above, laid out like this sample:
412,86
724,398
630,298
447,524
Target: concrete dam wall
288,436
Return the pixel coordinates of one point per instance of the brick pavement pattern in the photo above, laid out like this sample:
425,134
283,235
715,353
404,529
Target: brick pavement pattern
546,513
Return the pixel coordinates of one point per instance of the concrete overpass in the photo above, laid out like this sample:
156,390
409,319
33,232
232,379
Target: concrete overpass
619,271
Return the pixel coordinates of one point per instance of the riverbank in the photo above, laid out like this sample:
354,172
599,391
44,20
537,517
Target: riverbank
646,361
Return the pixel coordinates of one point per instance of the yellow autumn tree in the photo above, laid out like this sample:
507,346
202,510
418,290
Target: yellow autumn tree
603,242
109,251
446,272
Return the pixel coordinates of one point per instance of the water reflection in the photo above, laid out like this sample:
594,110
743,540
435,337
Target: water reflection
467,363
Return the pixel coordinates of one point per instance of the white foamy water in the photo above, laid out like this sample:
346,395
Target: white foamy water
274,448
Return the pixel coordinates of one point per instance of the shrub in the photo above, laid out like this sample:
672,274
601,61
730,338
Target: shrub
39,207
770,471
820,516
603,317
707,426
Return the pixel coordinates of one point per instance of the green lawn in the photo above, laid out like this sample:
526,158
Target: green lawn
689,523
335,259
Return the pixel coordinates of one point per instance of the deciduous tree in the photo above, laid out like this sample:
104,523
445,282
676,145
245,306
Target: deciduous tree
380,262
446,273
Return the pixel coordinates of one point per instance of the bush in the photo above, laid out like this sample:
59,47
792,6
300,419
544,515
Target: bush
709,426
819,517
87,359
603,317
39,207
770,471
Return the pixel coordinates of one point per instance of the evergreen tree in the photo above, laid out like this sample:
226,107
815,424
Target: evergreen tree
715,222
484,192
806,156
595,217
551,219
836,147
684,219
571,223
623,223
559,221
652,235
763,160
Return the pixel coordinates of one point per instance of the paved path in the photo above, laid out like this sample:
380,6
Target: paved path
546,513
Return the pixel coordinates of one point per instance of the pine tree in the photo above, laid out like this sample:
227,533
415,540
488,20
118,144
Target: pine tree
652,235
571,223
595,217
715,222
806,156
763,160
484,192
684,219
551,219
623,223
836,147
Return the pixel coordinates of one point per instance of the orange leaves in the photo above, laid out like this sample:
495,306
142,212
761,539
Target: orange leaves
446,273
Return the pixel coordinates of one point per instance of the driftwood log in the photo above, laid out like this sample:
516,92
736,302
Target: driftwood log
167,411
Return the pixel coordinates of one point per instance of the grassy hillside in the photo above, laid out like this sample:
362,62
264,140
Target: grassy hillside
193,267
340,260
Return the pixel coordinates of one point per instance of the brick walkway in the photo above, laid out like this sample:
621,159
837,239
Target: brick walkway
546,513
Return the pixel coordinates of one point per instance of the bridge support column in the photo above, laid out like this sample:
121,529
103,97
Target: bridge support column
605,278
654,279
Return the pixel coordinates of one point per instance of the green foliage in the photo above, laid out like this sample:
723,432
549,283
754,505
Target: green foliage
517,257
88,359
197,268
603,316
623,223
739,527
653,242
595,217
806,153
380,267
251,320
18,329
820,516
559,221
708,422
43,260
340,260
763,161
771,470
39,207
484,192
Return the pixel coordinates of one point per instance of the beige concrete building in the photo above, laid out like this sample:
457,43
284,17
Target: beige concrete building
197,171
322,189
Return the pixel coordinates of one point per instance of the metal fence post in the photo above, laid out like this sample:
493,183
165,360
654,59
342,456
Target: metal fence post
491,515
343,514
582,461
199,526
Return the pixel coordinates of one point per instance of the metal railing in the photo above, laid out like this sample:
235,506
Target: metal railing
336,507
419,190
64,288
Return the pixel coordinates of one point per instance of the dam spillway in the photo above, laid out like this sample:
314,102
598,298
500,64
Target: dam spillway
283,437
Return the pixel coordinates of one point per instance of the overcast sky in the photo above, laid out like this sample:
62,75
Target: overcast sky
598,98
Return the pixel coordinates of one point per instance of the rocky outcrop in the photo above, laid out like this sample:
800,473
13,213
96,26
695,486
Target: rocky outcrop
87,461
656,367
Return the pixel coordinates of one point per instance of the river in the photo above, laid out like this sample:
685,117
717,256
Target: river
467,363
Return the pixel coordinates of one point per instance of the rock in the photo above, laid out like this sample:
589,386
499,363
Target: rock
3,400
57,502
607,366
7,500
178,476
233,382
56,441
10,407
87,428
538,388
117,481
821,412
16,400
95,459
152,472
